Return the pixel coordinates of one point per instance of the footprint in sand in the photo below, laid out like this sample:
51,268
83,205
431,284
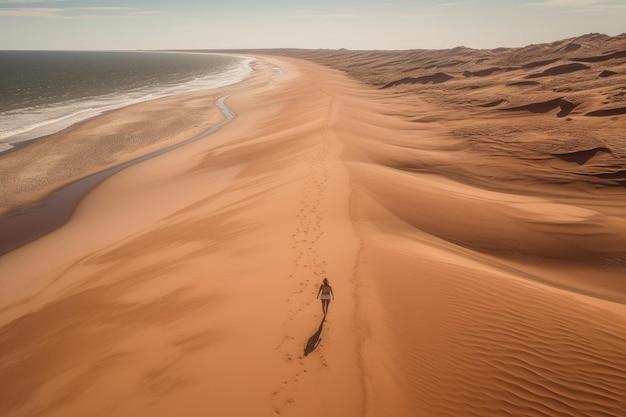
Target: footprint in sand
305,246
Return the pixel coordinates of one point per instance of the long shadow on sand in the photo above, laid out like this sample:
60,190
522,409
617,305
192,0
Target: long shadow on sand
314,340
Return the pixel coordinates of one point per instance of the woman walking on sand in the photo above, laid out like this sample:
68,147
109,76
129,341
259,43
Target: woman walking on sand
327,294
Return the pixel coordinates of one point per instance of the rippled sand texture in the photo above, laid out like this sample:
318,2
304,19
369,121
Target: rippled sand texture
474,235
489,194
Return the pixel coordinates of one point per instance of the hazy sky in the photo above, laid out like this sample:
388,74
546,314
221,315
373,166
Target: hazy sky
352,24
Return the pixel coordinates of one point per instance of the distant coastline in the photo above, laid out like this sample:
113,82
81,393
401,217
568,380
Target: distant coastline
26,225
61,89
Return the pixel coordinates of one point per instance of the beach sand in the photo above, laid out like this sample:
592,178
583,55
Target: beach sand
477,253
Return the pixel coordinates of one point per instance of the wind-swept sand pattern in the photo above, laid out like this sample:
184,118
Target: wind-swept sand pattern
495,243
473,233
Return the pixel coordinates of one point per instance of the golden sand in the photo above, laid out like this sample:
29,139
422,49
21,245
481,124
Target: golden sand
478,271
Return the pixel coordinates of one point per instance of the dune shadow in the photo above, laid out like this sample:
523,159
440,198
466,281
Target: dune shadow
560,70
438,78
314,340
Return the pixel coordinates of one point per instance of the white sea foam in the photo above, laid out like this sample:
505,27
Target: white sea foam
25,124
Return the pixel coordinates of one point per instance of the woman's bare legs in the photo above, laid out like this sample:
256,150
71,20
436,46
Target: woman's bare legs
325,304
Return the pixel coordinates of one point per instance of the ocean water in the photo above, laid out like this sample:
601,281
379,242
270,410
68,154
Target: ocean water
42,92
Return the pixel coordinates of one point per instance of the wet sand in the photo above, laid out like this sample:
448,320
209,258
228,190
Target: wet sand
22,226
476,252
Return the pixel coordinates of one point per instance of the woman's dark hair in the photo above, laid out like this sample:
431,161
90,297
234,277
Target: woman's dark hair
326,281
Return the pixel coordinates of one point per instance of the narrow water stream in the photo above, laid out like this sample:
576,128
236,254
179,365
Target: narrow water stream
26,225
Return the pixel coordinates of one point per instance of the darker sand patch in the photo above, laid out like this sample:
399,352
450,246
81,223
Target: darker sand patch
607,73
438,78
607,112
493,103
619,176
581,157
566,107
601,58
560,70
195,342
540,107
486,72
536,64
523,83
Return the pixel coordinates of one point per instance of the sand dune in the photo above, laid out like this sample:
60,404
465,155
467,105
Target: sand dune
477,253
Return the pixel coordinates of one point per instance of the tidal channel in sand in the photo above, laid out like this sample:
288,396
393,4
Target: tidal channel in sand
26,225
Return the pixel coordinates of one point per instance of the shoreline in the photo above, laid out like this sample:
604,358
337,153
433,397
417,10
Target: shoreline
42,165
65,113
23,226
